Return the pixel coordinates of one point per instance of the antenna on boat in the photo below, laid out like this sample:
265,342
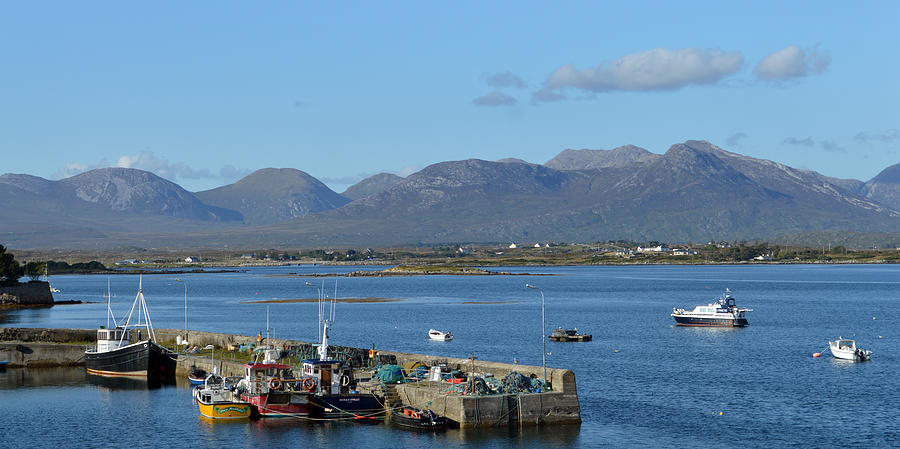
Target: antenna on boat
109,312
267,325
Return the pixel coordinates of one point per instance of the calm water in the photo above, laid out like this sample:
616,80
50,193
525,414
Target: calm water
641,382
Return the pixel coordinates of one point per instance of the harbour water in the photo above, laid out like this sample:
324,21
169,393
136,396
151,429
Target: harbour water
642,381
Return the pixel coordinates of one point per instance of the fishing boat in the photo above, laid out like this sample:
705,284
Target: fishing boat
722,313
559,334
331,383
845,349
216,401
130,349
411,417
440,336
272,389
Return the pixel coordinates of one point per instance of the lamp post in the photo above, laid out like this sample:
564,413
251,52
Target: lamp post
185,307
543,332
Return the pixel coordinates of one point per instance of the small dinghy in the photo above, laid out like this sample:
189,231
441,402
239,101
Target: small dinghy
197,376
438,335
411,417
845,349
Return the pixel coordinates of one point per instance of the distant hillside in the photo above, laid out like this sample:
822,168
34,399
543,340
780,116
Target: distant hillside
141,192
694,192
271,195
94,194
99,206
885,187
371,185
591,159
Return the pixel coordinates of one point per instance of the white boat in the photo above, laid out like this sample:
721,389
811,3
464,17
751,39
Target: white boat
722,313
845,349
438,335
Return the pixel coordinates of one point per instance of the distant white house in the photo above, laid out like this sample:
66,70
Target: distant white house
537,245
191,259
683,252
513,246
653,249
461,250
764,257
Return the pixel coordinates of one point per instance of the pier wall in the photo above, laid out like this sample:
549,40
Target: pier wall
34,293
557,406
41,354
65,347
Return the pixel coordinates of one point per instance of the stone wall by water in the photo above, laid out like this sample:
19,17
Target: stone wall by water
34,293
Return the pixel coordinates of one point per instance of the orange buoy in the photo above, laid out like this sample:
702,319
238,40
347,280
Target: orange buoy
817,354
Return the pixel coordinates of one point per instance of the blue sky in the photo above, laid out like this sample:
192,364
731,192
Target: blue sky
203,93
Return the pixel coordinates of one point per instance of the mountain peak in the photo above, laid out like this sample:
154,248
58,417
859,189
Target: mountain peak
270,195
593,159
371,185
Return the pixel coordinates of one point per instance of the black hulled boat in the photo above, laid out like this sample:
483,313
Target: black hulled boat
130,349
414,418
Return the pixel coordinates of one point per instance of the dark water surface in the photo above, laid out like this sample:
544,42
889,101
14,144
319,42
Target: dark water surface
641,382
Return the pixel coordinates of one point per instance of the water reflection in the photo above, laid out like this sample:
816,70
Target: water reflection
41,377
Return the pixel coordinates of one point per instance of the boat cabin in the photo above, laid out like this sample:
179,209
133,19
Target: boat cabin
325,373
846,345
262,377
111,339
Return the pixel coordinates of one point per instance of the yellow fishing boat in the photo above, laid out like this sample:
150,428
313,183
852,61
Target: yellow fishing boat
217,402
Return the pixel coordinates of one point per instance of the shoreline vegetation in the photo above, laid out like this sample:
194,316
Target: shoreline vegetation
456,260
414,270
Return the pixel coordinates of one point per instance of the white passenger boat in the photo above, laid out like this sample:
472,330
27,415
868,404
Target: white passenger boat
722,313
845,349
438,335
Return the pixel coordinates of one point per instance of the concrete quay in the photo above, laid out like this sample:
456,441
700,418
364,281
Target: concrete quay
35,347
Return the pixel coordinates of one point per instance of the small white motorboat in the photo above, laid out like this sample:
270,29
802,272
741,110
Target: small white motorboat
845,349
438,335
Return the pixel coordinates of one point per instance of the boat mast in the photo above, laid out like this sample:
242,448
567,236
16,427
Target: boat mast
141,305
109,312
325,323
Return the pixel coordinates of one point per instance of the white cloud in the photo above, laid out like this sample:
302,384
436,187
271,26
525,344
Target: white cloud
891,135
146,160
792,62
504,79
736,138
495,98
832,147
658,69
807,142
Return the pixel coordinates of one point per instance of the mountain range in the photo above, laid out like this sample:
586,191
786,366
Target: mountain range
696,191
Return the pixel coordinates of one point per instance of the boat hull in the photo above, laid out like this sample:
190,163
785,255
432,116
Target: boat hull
142,359
279,405
225,410
682,320
336,406
570,337
854,356
423,422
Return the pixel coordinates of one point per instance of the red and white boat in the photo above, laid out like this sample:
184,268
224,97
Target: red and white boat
273,391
